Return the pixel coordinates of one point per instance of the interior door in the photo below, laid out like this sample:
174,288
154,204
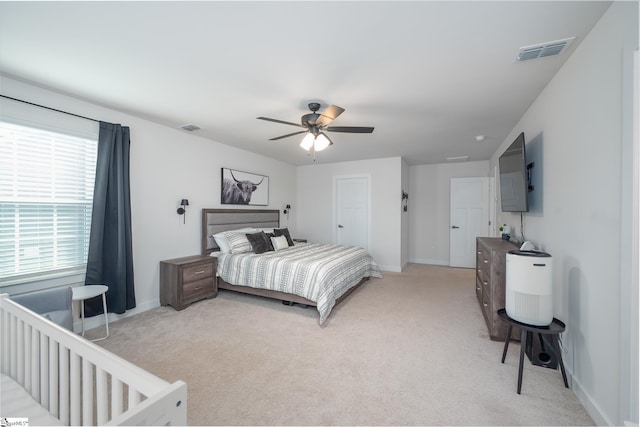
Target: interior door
352,211
469,218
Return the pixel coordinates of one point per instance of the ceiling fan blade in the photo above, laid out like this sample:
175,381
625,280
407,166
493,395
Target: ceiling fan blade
350,129
330,114
288,135
280,121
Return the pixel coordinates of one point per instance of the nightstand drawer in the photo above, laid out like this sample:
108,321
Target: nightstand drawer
197,288
197,272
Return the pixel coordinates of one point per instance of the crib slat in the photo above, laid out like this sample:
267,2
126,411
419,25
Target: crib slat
64,385
13,346
53,378
27,357
134,397
20,351
44,370
102,396
74,375
116,397
35,364
6,333
87,393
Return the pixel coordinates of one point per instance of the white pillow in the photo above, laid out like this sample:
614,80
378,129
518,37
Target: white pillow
279,242
223,242
238,242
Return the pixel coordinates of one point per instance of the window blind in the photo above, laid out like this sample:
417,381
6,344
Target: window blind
46,197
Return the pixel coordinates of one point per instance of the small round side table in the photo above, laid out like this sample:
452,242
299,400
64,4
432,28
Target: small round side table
556,327
82,293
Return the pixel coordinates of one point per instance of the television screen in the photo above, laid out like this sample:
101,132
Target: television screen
513,177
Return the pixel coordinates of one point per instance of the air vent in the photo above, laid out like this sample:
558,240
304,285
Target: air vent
543,50
457,159
190,128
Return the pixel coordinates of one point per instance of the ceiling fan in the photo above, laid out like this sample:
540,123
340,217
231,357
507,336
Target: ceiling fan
316,124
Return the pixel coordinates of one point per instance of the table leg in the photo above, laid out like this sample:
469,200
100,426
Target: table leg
556,348
523,345
106,317
506,343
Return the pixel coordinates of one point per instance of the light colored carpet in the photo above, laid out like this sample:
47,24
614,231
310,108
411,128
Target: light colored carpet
409,349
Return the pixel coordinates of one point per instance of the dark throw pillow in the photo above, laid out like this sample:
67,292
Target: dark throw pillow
283,232
259,242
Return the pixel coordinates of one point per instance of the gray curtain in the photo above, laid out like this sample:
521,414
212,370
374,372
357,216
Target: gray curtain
110,259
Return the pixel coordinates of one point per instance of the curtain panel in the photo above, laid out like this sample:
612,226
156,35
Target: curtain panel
110,256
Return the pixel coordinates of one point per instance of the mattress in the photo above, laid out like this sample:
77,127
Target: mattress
15,402
318,272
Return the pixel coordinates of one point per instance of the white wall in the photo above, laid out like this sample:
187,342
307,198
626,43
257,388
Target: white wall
168,165
429,191
316,204
578,133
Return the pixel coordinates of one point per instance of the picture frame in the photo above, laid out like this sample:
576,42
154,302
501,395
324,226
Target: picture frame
243,188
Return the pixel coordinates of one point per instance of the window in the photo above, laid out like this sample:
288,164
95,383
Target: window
46,197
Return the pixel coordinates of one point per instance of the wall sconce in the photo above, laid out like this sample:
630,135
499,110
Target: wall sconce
182,209
405,200
286,210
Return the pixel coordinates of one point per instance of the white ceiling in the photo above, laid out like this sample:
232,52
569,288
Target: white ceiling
429,75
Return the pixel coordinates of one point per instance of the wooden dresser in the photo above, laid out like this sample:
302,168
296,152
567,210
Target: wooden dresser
184,281
491,253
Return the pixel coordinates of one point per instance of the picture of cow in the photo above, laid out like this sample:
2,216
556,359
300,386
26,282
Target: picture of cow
243,188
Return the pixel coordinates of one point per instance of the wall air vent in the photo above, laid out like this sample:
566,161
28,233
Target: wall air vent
190,128
457,159
543,50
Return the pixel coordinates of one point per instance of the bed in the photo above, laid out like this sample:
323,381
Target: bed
51,376
318,275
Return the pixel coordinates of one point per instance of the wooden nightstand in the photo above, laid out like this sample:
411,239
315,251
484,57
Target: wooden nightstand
184,281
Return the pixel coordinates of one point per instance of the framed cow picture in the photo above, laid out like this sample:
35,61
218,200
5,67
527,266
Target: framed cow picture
244,188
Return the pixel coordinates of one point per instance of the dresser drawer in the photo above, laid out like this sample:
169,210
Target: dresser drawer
197,272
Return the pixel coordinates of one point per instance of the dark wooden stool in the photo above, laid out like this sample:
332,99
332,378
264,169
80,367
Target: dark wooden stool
556,327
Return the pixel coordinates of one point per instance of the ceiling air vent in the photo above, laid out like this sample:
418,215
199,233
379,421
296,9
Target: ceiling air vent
190,128
543,50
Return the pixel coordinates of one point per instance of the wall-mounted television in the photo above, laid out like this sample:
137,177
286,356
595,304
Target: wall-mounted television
514,177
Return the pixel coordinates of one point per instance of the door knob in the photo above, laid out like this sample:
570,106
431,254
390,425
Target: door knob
454,226
340,226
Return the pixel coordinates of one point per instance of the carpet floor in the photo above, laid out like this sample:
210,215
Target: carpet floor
409,349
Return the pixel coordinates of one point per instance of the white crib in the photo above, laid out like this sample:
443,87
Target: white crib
76,381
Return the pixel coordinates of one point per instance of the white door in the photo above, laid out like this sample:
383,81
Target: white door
469,218
352,211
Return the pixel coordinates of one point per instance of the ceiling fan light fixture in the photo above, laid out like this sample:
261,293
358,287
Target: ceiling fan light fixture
321,143
307,141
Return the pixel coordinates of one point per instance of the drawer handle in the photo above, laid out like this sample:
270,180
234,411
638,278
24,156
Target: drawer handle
198,288
485,304
477,288
486,261
479,253
199,272
485,283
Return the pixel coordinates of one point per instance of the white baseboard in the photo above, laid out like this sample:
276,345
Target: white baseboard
589,405
430,261
392,269
98,321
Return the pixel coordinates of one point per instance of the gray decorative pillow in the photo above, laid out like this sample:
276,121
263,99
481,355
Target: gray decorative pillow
283,232
259,242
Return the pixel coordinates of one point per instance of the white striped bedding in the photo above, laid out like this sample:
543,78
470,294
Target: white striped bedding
317,272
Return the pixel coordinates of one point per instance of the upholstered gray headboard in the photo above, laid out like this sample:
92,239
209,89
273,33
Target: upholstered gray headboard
218,220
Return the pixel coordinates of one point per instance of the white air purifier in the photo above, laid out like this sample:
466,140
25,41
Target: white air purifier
529,287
